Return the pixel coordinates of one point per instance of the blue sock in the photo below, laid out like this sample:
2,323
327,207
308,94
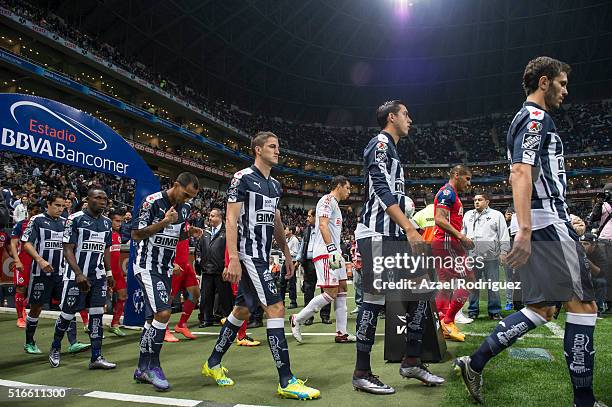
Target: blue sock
31,324
504,335
71,333
145,347
367,318
228,333
279,348
157,333
415,322
95,335
580,355
61,325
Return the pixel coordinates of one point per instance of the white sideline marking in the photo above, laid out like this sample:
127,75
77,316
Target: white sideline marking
555,329
137,398
11,383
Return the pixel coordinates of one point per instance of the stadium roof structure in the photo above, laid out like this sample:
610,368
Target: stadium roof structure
334,61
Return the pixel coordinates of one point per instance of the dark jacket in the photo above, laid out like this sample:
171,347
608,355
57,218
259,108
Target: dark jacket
4,213
211,252
304,245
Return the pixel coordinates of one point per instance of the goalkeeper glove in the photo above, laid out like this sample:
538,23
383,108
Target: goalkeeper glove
335,258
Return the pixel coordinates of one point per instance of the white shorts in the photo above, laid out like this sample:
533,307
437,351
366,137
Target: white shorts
326,277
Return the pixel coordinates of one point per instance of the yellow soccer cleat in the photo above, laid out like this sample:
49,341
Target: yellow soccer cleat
217,374
297,389
247,341
451,332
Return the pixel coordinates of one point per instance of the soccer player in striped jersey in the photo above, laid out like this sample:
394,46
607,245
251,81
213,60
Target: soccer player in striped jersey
384,227
159,227
87,241
546,251
328,262
22,262
42,241
253,220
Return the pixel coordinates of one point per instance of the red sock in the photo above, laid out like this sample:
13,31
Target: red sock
188,307
460,295
442,303
19,304
117,312
84,317
242,331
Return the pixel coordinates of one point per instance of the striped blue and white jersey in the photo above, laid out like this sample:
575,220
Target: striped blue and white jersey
384,186
46,235
533,139
92,236
155,254
259,196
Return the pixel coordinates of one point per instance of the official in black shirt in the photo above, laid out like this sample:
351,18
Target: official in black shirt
210,261
598,264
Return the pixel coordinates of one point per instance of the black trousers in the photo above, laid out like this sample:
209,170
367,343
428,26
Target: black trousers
289,285
310,284
213,285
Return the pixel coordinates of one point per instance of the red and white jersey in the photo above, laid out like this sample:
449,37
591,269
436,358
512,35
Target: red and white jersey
115,253
327,207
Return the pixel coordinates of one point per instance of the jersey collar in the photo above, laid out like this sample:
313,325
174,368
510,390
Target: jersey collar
389,136
527,103
256,170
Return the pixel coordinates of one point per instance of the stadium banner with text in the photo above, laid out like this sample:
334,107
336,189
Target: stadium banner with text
51,130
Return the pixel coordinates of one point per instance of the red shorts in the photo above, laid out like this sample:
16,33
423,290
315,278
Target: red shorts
187,278
22,278
120,283
452,264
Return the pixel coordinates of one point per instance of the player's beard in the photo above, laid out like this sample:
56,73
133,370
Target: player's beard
551,98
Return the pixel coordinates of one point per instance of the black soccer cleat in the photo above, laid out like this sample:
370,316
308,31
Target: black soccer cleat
471,378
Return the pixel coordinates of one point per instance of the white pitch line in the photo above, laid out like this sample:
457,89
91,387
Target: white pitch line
12,383
137,398
555,329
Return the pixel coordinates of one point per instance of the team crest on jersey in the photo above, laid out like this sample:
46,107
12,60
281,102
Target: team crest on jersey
20,280
105,224
160,286
531,141
184,213
71,301
446,192
534,127
235,182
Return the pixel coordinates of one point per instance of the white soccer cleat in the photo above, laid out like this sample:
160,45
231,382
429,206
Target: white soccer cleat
460,318
295,329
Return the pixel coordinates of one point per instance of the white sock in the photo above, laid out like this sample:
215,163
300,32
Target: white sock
341,312
313,307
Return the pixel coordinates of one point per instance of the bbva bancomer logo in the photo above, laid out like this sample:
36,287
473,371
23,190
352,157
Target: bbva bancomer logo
40,134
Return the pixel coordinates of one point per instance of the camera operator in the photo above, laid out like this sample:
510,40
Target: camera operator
602,213
597,264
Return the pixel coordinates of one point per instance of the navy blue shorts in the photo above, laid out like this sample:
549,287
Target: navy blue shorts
45,287
156,288
74,300
557,269
257,285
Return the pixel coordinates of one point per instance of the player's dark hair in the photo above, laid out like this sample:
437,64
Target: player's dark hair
291,229
53,196
339,180
218,210
260,139
93,190
382,113
542,66
483,194
188,178
116,212
311,211
429,197
34,205
460,169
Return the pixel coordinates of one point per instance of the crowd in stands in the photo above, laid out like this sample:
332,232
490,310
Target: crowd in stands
583,127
